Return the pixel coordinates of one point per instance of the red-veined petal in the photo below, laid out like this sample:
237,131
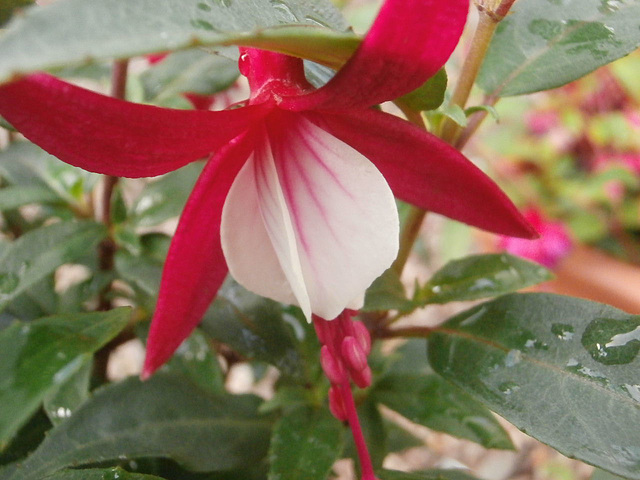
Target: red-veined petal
195,266
425,171
409,41
325,211
110,136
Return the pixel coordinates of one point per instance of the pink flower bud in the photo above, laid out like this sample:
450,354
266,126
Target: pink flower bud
353,355
362,378
336,404
333,368
362,336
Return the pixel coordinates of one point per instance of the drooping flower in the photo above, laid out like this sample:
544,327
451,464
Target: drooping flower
293,199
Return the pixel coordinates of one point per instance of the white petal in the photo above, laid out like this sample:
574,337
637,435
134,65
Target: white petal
328,216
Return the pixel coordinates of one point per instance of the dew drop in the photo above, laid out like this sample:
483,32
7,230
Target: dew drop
634,391
612,342
562,330
513,358
224,3
316,21
203,24
204,6
509,387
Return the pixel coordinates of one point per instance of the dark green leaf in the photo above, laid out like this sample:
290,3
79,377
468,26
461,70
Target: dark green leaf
163,417
253,326
65,397
75,32
98,474
429,96
38,356
425,475
38,253
9,8
563,370
430,401
27,438
305,444
480,276
387,293
189,71
196,360
165,198
545,44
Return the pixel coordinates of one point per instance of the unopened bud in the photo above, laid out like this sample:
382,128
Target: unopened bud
362,335
353,354
362,378
333,368
336,404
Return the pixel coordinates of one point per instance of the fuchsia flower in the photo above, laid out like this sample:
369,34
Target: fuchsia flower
553,245
293,200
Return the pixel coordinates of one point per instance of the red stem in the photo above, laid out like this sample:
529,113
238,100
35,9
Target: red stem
356,431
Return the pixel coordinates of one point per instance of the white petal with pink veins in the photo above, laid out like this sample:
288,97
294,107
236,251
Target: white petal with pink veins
328,220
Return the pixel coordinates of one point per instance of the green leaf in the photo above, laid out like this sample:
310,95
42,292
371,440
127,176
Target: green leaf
480,276
195,360
13,196
75,32
387,293
27,439
39,252
189,71
429,96
432,402
65,397
163,417
305,444
39,355
564,370
602,475
9,7
425,475
164,198
542,45
115,473
254,326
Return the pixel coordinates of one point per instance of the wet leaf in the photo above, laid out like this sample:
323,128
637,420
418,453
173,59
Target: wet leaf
480,276
163,417
39,356
545,44
39,252
564,370
253,326
67,396
76,32
305,444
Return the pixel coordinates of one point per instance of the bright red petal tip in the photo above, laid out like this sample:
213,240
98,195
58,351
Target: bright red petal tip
110,136
195,266
425,171
408,43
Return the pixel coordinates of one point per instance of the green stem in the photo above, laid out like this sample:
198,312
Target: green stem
490,17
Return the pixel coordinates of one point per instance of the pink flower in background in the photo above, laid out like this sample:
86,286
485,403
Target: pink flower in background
297,198
553,245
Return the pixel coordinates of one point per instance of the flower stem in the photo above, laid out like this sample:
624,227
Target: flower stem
356,430
491,14
107,248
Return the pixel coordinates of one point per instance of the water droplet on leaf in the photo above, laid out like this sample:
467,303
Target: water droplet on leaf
612,342
562,330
